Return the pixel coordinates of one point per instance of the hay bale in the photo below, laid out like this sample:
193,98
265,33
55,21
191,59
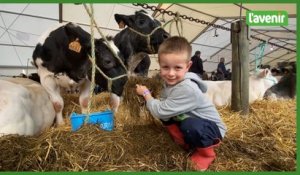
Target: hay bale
263,141
90,149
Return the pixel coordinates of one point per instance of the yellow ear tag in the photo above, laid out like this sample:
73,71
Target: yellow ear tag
75,46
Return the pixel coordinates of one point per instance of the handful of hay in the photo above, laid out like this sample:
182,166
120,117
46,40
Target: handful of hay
135,103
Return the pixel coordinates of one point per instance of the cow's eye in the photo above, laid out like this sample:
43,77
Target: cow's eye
141,22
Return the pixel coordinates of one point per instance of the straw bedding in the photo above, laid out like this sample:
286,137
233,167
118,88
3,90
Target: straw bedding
265,140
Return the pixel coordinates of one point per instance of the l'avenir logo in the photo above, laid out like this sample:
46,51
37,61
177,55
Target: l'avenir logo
267,18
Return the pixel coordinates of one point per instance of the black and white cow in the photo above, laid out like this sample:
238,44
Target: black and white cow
64,52
142,34
286,86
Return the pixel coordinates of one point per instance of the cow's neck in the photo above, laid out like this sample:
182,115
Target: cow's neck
129,44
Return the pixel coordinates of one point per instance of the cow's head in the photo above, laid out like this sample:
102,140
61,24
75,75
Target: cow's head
286,87
104,58
110,65
147,31
266,76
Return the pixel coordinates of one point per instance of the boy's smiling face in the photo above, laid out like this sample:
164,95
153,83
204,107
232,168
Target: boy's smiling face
173,67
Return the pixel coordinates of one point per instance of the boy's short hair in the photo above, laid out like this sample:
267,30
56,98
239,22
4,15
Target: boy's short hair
175,44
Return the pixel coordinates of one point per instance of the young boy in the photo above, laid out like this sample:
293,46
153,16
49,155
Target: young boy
191,119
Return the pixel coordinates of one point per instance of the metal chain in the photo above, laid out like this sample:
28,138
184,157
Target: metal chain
175,14
185,17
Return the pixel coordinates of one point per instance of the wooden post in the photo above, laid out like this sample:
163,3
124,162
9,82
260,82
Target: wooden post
244,59
240,67
60,12
235,74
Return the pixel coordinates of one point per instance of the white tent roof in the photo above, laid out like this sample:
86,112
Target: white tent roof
213,48
22,24
20,27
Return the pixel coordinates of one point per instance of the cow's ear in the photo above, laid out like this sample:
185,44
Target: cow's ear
74,31
263,73
71,30
77,36
123,20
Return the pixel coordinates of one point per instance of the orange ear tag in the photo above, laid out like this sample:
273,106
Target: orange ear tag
75,46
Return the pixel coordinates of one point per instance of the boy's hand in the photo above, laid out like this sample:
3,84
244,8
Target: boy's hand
140,89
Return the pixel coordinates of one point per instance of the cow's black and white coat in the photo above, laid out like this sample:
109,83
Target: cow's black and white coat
286,86
55,57
130,41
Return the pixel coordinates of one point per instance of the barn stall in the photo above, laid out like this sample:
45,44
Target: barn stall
140,143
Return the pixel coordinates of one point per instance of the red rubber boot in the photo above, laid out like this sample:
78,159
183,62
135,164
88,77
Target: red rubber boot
203,157
177,135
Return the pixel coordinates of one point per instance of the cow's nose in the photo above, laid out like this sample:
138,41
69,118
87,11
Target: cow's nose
166,35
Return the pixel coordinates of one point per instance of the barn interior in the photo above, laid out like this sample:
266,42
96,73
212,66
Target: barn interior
264,140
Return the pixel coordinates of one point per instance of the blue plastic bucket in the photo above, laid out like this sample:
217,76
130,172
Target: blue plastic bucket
104,119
